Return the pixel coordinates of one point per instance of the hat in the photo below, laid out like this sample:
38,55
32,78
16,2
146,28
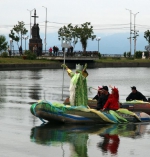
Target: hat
105,88
99,87
79,67
133,87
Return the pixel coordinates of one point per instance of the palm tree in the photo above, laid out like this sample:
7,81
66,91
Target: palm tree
3,43
147,36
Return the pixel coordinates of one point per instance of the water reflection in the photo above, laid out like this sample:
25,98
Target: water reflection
35,89
78,136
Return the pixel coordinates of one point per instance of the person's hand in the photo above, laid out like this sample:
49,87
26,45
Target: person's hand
64,66
103,109
111,86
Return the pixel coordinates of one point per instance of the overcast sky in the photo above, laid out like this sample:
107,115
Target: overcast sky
106,16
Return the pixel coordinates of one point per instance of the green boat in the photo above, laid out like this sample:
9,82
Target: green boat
60,113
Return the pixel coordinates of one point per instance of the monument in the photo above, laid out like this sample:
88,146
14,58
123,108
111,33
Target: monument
35,40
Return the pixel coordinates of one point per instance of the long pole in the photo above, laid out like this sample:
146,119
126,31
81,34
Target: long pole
30,20
130,30
135,33
98,46
98,39
25,44
45,28
63,77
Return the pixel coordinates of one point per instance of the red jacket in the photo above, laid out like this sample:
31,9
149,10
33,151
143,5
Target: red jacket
50,50
113,100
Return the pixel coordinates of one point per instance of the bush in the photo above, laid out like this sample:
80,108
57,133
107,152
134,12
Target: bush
146,54
30,55
125,54
99,55
129,54
138,54
4,54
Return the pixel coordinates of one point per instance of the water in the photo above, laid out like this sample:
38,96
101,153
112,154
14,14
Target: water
22,134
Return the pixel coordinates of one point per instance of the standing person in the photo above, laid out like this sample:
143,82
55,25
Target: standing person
54,50
71,49
113,100
9,51
20,50
135,95
103,98
35,49
50,51
78,85
63,49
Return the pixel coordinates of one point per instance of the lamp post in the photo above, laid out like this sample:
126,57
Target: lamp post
65,44
135,35
25,38
10,47
30,20
98,39
45,28
130,30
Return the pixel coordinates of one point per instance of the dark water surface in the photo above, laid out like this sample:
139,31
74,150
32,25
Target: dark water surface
23,135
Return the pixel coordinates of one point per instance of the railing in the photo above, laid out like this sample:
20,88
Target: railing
61,53
112,55
71,54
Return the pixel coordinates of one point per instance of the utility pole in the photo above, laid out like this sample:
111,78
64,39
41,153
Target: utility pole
98,39
135,33
45,28
130,30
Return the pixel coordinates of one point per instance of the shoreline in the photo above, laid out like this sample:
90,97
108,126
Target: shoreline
57,65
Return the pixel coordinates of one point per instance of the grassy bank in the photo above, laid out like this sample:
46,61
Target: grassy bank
20,60
122,60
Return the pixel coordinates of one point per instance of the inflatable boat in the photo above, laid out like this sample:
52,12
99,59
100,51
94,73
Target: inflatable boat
60,113
135,105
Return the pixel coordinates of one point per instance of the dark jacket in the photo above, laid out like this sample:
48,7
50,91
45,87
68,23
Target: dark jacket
96,97
101,101
136,96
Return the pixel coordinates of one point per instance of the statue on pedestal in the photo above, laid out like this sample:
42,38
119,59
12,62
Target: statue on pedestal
35,40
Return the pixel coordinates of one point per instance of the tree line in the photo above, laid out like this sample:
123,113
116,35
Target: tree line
71,34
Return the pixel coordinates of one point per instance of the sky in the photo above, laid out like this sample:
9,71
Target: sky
107,17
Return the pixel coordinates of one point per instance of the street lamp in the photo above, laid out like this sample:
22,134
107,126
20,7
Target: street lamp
10,47
30,20
25,38
45,28
65,43
135,35
130,30
98,39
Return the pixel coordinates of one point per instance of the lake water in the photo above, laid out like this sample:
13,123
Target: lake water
23,135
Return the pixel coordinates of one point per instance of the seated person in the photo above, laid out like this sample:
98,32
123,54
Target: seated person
103,98
135,95
113,100
99,91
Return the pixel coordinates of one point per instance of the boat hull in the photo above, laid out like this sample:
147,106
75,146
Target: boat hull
137,107
60,113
